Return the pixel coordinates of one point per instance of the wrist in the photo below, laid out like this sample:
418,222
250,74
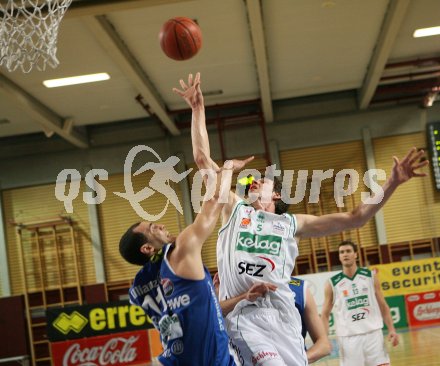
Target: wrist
391,185
198,109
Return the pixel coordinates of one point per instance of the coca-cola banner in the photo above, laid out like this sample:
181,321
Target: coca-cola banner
128,348
76,322
423,308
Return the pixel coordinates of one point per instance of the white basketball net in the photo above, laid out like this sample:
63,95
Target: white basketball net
29,32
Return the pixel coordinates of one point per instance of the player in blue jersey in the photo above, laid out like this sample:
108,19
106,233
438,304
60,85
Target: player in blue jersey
175,289
310,320
299,287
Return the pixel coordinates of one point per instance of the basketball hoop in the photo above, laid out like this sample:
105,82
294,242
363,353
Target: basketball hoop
29,32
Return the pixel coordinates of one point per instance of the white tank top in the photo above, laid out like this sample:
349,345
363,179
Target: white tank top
355,309
254,246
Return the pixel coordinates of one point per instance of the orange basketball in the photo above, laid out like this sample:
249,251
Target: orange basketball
180,38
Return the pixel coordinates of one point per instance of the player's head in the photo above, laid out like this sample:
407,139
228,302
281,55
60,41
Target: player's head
347,253
142,241
274,185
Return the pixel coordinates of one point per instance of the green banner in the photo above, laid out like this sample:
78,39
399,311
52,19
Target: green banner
398,311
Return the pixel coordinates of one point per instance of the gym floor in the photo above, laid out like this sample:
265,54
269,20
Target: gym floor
417,347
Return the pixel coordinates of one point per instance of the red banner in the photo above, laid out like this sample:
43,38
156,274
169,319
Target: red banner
128,348
423,309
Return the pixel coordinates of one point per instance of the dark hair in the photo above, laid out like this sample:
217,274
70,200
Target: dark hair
280,206
348,242
130,245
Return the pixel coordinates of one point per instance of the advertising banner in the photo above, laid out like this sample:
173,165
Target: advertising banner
118,349
423,308
409,277
76,322
398,311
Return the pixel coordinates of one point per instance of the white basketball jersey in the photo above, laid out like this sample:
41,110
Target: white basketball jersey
258,246
355,309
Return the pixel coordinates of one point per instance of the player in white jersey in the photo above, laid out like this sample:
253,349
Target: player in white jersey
259,241
304,302
359,309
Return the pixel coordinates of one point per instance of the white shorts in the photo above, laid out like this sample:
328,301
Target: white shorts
259,337
363,350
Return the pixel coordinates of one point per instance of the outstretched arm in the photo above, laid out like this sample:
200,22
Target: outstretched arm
386,314
314,226
192,94
186,258
321,344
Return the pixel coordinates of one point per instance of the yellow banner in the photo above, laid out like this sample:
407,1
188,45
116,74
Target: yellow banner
403,278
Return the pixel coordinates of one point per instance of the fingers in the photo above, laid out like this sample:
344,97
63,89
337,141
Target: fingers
394,339
408,156
415,157
249,159
396,161
192,82
264,286
182,84
421,164
177,91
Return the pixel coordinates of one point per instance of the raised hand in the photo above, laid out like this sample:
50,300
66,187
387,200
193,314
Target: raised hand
235,164
240,164
406,168
259,289
191,92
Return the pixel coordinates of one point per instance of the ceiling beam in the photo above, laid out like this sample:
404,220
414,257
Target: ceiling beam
259,44
48,120
390,27
102,7
107,36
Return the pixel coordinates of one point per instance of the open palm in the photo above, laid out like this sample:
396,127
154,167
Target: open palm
406,168
191,92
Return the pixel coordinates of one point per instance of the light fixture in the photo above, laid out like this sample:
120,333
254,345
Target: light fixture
81,79
426,32
210,93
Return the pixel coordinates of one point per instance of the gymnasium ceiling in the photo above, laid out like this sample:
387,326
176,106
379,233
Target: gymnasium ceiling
269,51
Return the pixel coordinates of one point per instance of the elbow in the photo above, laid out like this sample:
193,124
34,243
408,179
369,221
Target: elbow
357,220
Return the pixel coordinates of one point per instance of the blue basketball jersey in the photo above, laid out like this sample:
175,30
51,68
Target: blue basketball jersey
297,287
187,314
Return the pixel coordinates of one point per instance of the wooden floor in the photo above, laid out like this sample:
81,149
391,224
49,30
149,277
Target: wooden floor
419,347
